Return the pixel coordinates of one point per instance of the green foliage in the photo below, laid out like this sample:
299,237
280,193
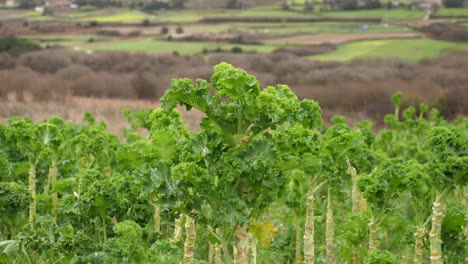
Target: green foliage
14,198
16,46
257,155
381,257
127,246
163,251
54,242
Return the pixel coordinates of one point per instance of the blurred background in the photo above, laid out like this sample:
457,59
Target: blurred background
67,57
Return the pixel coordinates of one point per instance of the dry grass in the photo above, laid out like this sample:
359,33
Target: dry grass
363,86
109,111
74,108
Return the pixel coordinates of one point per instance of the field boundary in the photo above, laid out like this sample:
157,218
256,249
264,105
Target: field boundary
248,19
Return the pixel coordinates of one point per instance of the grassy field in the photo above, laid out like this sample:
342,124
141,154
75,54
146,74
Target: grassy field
124,17
67,40
167,47
393,15
412,50
452,12
321,27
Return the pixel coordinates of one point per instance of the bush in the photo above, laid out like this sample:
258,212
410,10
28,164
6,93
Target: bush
308,7
16,46
285,6
236,49
350,5
374,4
454,3
93,24
233,4
179,30
108,32
134,33
164,30
145,22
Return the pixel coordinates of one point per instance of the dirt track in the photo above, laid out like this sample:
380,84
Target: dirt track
337,38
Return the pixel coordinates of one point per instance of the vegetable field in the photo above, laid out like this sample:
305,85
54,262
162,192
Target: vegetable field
264,180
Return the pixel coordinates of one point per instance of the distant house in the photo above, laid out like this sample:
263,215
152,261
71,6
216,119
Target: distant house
428,4
12,3
61,4
39,9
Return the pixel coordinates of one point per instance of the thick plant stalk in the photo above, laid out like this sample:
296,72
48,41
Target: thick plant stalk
178,228
189,244
372,235
309,243
298,240
53,179
354,191
419,244
156,217
32,191
253,248
357,206
358,202
330,230
210,252
217,254
241,239
435,234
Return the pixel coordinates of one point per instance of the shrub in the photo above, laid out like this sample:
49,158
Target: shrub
454,3
164,30
179,30
350,5
108,32
236,49
308,7
93,24
374,4
145,22
134,33
233,4
16,46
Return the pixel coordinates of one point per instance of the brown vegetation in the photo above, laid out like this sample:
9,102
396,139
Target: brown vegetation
362,87
446,31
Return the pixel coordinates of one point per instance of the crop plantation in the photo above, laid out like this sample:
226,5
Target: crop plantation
263,180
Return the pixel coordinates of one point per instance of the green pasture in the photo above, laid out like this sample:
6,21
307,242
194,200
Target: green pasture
321,28
412,50
129,16
387,15
167,47
452,12
101,15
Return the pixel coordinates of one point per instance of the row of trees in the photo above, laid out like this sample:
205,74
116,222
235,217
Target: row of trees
262,174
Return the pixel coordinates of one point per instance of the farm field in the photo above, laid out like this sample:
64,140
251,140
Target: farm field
262,179
412,50
452,12
338,38
167,47
274,35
